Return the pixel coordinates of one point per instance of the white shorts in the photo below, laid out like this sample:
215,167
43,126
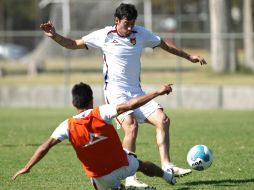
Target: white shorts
113,179
117,96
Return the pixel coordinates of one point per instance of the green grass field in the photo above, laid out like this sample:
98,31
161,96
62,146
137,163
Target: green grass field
228,133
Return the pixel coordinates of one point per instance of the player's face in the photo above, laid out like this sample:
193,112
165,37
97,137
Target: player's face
124,26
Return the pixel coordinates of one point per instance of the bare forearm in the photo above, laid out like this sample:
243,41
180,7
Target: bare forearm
37,156
141,100
41,152
174,50
136,102
63,41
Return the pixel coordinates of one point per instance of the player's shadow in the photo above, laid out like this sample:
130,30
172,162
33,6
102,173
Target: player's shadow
224,182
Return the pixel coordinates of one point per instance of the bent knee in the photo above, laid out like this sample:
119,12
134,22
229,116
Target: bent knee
159,119
164,121
130,126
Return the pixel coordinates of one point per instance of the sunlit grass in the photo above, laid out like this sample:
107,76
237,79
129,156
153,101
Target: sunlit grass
228,133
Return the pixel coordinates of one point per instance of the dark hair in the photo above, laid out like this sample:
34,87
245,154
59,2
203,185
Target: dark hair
126,10
82,95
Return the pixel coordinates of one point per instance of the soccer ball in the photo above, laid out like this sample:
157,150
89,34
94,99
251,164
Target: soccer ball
200,157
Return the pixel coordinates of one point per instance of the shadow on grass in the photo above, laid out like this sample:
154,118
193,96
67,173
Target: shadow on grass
224,182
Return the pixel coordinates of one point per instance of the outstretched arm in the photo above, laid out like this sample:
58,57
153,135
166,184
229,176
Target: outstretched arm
68,43
37,156
141,100
172,49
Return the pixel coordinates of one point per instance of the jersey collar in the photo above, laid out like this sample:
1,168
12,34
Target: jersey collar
114,30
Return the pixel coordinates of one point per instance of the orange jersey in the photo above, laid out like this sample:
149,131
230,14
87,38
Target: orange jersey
97,144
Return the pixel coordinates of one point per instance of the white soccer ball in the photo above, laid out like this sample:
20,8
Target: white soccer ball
200,157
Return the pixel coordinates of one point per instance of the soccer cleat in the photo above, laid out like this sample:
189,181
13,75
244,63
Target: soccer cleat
133,183
169,176
179,172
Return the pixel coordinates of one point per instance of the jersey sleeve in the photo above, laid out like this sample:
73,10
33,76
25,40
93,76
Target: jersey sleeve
107,112
150,39
94,39
61,132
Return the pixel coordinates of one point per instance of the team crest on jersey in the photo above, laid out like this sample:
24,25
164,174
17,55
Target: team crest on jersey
133,40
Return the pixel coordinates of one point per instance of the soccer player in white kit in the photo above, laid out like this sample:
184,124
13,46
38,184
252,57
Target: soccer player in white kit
121,46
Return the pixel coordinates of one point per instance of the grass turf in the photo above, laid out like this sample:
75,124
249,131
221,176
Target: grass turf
228,133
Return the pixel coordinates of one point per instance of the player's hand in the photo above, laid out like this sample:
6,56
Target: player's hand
20,172
165,89
197,59
48,29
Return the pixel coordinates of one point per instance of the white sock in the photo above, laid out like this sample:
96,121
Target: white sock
131,177
168,165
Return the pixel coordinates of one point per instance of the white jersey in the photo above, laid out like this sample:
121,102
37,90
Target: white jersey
121,55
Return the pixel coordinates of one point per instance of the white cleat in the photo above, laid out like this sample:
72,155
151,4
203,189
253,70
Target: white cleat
180,172
133,183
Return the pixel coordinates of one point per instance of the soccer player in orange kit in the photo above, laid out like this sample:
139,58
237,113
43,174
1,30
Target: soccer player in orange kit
96,142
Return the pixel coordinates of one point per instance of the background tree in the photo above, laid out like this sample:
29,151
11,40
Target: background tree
248,34
219,29
19,15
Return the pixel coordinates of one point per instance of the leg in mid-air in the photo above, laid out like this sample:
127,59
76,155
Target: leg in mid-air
162,123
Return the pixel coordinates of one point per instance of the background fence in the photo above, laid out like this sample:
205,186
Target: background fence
187,24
